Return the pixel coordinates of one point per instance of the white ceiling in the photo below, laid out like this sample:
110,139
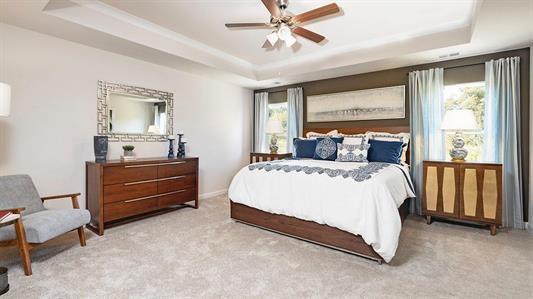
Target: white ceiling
367,35
360,23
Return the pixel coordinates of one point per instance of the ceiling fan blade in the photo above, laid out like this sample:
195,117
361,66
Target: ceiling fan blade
316,13
272,6
267,45
310,35
248,25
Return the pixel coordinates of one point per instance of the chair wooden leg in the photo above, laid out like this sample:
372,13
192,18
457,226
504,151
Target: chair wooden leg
23,247
81,234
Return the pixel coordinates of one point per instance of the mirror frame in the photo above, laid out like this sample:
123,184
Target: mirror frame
105,88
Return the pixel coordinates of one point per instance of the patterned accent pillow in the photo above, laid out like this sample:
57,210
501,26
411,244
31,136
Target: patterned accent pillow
352,152
326,148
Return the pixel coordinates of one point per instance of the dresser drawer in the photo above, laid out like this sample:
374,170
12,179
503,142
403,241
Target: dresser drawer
172,169
180,182
129,173
132,207
121,192
177,197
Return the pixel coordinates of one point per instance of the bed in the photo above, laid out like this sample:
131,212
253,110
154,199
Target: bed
350,206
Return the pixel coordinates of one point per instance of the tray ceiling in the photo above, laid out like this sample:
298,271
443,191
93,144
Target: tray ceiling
366,36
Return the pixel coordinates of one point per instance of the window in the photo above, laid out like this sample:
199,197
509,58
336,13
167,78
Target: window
467,96
279,111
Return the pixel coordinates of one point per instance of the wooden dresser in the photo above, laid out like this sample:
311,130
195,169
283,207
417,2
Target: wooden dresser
465,191
117,191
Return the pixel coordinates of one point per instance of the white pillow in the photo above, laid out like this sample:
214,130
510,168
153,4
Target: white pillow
314,135
355,139
383,136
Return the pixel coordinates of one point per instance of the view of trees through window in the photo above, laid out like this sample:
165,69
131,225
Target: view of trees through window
467,96
279,111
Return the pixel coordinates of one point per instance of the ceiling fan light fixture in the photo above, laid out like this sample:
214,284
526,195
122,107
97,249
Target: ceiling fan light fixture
289,41
284,32
272,38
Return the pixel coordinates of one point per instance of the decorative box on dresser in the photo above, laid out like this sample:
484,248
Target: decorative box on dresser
463,190
118,190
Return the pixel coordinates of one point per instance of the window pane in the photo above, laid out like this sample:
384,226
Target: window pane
467,96
279,111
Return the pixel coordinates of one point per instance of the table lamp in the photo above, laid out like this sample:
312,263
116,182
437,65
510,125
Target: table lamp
458,121
5,99
274,127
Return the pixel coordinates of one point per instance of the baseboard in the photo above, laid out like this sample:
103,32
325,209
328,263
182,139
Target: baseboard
213,194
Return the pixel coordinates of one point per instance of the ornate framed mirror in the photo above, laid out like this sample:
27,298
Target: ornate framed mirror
131,113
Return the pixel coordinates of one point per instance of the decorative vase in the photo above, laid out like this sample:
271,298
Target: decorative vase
458,153
170,148
128,153
274,144
100,148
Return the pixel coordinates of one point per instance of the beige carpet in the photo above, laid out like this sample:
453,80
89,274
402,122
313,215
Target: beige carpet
202,253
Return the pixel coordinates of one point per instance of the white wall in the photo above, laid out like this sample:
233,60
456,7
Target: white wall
53,112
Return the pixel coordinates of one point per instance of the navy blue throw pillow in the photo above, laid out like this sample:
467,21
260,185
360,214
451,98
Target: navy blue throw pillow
385,151
304,148
326,148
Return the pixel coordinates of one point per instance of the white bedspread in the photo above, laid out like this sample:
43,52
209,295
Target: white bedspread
363,202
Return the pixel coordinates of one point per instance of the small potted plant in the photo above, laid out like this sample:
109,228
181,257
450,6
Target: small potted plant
128,150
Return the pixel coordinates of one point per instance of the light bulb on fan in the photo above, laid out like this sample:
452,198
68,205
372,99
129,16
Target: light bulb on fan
289,41
284,32
272,38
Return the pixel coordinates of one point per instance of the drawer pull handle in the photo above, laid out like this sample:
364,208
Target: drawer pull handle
140,198
172,163
158,164
172,178
154,180
153,196
140,182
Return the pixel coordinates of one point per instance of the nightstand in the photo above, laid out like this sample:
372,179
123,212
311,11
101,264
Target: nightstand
265,157
467,191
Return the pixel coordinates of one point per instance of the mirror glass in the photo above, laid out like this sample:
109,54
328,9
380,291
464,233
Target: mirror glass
133,114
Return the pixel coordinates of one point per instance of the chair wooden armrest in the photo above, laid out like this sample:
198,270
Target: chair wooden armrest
72,196
14,210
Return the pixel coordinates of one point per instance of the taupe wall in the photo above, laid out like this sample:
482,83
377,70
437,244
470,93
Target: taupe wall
469,69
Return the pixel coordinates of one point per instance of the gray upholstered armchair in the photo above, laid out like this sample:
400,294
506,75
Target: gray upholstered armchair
38,225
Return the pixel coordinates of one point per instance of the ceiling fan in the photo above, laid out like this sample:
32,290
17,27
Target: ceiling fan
285,24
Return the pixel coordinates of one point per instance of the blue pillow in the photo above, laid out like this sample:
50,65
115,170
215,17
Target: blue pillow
304,148
385,151
326,148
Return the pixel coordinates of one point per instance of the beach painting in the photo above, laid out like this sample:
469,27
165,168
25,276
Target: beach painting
366,104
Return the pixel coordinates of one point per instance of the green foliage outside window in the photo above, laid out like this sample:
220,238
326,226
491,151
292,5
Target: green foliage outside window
467,96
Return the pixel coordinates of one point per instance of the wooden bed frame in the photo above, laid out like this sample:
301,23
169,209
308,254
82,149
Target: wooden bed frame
311,231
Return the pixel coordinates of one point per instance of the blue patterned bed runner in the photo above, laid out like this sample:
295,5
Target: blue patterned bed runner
360,174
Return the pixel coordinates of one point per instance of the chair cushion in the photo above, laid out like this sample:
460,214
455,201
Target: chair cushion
18,191
45,225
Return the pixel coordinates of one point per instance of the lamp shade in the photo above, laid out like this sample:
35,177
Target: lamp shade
459,120
274,127
5,99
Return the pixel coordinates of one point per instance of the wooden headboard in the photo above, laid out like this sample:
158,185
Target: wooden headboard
360,130
363,130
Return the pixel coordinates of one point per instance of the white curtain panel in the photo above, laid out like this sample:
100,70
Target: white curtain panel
295,99
502,133
426,95
260,121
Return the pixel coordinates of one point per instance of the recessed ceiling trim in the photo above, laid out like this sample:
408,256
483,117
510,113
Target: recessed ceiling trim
102,17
